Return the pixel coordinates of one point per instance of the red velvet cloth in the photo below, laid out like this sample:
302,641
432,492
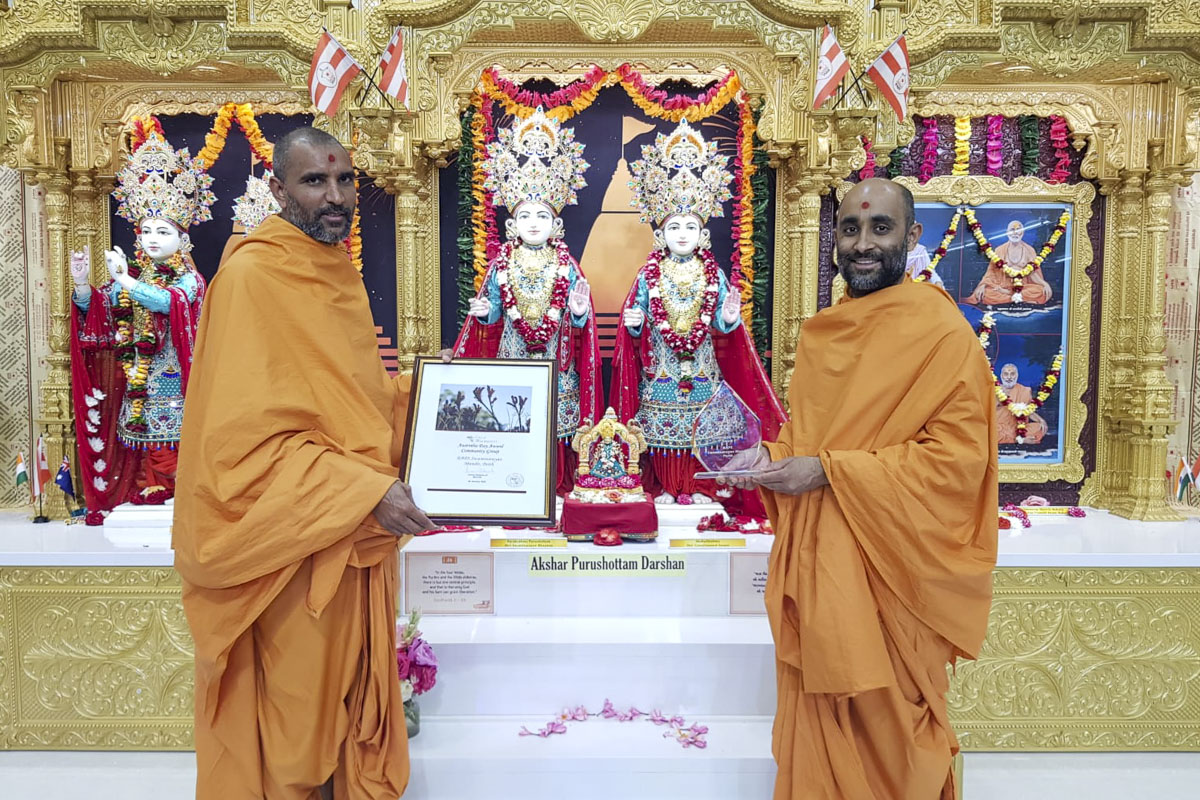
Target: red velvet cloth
580,518
94,367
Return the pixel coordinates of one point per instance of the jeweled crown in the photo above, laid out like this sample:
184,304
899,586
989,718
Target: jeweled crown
158,181
256,203
680,173
535,160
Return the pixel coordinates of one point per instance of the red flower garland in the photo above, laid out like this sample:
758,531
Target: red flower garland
995,132
684,346
929,155
554,99
1058,138
536,337
868,168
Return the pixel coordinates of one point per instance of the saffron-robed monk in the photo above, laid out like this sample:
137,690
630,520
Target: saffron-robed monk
289,515
882,491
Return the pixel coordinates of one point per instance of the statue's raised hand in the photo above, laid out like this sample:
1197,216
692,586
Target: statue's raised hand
116,262
479,307
731,309
580,298
81,262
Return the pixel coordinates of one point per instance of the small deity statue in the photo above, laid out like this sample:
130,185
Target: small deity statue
608,454
535,302
682,332
132,338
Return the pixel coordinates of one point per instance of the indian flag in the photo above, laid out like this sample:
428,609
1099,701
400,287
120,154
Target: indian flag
22,472
1184,477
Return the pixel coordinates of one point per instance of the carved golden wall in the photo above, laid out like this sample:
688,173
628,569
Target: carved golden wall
1126,74
1075,659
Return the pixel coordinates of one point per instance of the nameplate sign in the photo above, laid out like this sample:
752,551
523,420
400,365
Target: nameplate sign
747,583
450,583
529,542
573,565
708,543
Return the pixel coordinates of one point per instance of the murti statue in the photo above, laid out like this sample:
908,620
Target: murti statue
535,302
682,331
609,454
132,338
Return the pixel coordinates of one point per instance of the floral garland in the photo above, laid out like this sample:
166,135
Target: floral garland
1030,144
141,130
683,345
929,155
354,241
868,167
1018,274
576,97
742,270
214,140
537,337
995,133
135,350
677,727
941,250
962,146
984,332
466,210
1022,411
761,265
1062,158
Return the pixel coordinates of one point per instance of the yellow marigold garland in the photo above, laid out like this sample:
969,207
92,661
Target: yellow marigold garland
942,248
745,212
1018,274
479,212
962,146
214,140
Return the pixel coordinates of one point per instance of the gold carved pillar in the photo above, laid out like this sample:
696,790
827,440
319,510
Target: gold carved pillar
55,415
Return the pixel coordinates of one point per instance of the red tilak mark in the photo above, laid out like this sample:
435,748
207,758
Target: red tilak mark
332,159
866,204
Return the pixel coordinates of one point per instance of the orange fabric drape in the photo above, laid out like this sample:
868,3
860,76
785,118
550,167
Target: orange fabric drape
879,579
292,435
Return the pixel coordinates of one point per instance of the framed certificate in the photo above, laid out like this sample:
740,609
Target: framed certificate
480,445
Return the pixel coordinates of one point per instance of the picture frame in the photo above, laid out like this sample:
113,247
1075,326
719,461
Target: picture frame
480,444
1053,316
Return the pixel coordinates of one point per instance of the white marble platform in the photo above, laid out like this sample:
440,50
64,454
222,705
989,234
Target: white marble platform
1098,540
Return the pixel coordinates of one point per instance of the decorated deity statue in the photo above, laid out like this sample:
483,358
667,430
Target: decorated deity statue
250,209
682,332
535,302
132,338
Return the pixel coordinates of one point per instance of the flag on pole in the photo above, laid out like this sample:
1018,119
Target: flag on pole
63,478
890,74
22,472
333,68
832,66
1183,476
394,68
41,469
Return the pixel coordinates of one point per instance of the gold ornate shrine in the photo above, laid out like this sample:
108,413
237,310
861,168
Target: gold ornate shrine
1125,75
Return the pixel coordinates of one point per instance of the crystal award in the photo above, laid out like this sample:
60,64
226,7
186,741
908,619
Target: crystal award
726,435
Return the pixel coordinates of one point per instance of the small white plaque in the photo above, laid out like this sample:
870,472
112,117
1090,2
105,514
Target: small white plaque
747,583
449,583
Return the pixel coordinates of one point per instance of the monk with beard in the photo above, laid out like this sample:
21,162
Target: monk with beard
1006,421
882,490
289,515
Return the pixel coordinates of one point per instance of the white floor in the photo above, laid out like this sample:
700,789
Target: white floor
988,776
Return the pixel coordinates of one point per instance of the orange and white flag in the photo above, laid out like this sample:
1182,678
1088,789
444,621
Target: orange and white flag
832,66
41,469
890,74
332,71
395,71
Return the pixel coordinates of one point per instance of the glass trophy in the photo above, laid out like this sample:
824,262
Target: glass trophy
726,436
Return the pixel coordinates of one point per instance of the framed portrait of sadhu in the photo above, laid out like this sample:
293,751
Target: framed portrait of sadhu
480,445
1014,257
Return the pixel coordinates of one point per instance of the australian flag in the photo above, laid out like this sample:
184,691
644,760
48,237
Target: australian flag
63,478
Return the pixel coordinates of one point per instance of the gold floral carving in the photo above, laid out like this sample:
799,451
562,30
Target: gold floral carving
1085,659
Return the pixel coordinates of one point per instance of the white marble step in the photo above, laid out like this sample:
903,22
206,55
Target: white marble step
505,665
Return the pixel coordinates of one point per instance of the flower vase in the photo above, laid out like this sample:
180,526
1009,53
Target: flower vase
412,717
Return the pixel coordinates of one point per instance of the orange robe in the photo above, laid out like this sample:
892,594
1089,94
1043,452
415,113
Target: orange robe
1006,423
881,578
996,288
292,436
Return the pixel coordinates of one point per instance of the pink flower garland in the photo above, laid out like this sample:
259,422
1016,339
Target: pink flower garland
1058,138
930,154
632,77
868,169
492,249
995,128
677,727
563,96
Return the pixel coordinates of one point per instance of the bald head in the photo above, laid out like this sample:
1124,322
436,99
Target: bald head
283,158
876,227
314,184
